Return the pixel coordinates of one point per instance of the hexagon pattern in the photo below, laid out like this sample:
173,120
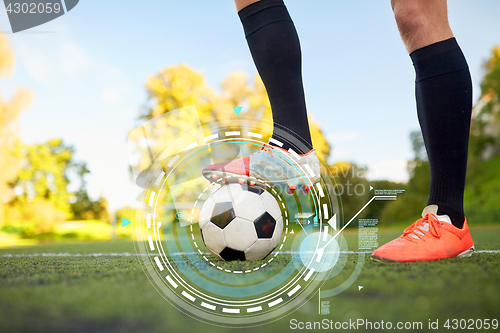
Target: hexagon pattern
264,246
271,205
226,193
206,211
229,254
254,189
264,225
248,205
222,214
278,230
260,249
240,234
213,237
241,223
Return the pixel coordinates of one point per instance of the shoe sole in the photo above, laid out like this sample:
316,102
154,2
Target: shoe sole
229,177
464,254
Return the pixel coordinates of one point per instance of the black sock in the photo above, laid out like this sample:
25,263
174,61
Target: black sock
444,104
275,48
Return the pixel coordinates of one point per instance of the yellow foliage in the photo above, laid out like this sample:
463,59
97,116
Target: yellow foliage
176,87
486,114
43,174
6,56
494,60
34,218
318,139
180,86
9,114
235,88
341,166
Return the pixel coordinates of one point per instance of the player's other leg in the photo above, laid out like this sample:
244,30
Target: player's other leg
275,48
444,104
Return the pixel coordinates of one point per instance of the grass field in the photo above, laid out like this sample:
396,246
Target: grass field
111,293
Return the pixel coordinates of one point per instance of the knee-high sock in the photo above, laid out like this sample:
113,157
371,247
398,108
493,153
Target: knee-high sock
275,49
444,104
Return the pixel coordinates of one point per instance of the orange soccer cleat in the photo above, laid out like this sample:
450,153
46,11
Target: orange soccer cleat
432,237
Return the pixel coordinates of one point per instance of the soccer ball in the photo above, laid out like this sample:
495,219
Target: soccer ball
239,222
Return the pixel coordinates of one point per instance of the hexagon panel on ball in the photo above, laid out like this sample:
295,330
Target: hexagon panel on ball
241,223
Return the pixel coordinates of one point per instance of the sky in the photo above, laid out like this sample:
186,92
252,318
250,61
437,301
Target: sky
87,71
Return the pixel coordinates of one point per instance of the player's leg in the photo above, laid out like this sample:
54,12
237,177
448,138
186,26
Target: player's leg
444,98
444,104
275,49
421,22
240,4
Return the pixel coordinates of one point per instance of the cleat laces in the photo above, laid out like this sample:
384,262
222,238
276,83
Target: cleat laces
267,147
421,227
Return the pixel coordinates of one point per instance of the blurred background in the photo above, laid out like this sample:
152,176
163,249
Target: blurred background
72,89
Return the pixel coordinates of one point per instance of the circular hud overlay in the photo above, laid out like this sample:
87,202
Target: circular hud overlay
233,293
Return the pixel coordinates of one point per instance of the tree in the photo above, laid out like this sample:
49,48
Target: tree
42,197
44,174
410,204
418,146
171,89
82,206
351,186
34,178
485,130
6,56
9,113
482,189
180,86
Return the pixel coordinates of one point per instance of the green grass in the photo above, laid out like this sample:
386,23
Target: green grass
101,294
96,230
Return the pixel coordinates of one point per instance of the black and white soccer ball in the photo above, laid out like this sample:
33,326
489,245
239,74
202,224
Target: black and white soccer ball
239,222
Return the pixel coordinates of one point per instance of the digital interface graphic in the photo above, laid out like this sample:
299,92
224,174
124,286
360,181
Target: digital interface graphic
206,278
212,166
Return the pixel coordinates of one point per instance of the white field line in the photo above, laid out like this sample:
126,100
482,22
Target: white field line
123,254
128,254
